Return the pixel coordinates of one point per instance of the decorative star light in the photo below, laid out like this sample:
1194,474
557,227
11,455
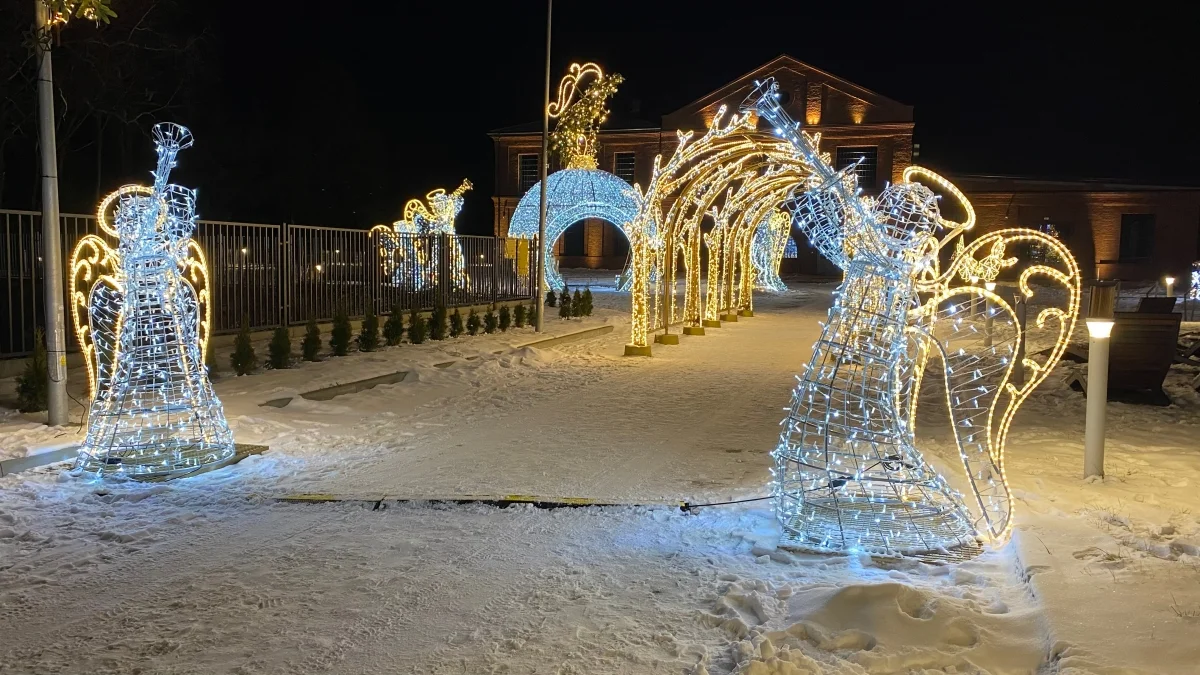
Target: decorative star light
142,315
847,473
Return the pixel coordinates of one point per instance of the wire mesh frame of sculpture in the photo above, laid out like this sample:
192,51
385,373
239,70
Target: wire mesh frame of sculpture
847,473
410,248
142,315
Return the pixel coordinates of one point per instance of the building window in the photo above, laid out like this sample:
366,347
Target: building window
866,168
1137,236
527,171
624,164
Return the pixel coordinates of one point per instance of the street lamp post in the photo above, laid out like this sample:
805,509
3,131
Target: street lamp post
541,240
52,275
1099,325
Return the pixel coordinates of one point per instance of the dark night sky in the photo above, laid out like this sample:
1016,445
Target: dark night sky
372,107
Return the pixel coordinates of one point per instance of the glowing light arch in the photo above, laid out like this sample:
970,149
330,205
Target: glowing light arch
571,196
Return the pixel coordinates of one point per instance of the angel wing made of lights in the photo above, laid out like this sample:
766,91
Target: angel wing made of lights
569,86
976,335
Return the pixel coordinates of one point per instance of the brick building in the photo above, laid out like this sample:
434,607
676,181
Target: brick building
1116,230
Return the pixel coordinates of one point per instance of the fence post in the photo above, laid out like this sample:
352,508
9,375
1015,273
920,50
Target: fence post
497,244
445,280
285,269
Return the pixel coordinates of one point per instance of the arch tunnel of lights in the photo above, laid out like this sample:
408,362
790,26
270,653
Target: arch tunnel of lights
571,196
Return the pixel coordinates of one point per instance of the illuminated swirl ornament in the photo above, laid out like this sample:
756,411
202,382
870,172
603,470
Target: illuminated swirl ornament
580,112
142,315
848,474
408,249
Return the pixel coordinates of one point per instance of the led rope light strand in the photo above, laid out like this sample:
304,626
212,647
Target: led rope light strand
142,314
766,251
847,472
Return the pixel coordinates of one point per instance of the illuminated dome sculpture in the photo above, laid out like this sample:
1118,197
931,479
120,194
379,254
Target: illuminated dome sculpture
571,196
142,315
848,474
580,190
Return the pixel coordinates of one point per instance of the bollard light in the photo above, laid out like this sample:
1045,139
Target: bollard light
1099,325
1170,286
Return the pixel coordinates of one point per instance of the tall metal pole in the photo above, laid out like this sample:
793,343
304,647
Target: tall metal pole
52,275
545,159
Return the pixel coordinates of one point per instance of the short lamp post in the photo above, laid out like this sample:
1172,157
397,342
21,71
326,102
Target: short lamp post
1170,286
1099,325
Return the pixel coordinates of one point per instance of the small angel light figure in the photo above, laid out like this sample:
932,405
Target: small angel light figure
142,316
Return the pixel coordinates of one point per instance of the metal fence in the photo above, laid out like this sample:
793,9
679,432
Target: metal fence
283,275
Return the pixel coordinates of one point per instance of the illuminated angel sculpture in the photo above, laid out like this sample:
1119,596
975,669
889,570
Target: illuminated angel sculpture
142,315
847,473
766,251
408,249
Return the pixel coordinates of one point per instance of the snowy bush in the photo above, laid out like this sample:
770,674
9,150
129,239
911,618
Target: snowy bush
393,328
473,323
311,346
34,384
489,320
279,353
437,324
416,327
243,360
368,336
339,337
456,323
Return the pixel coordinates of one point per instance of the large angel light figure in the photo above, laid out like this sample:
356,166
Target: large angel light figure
142,315
410,252
848,474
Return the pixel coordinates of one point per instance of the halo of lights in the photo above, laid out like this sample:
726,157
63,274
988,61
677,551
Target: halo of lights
408,250
142,315
847,473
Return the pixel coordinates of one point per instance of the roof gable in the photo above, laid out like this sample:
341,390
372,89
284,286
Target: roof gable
809,94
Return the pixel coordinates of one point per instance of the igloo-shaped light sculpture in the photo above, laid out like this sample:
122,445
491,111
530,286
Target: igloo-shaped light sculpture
571,196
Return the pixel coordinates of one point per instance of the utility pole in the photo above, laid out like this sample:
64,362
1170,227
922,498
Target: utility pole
52,268
541,241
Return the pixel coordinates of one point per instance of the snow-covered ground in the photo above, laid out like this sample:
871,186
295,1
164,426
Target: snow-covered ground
212,575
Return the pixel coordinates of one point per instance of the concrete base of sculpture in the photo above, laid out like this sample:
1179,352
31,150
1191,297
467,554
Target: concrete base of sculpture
668,339
710,323
731,317
745,312
634,350
693,330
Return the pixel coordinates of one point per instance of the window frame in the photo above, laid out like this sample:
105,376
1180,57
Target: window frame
860,150
1142,242
537,171
616,164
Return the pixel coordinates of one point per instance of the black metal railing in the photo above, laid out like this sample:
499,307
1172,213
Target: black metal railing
283,275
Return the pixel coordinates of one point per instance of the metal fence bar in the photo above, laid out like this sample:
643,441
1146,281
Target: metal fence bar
281,275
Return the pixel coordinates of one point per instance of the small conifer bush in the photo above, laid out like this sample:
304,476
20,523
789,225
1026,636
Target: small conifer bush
243,360
339,336
437,324
393,328
551,299
577,303
564,305
587,302
368,335
519,316
417,328
505,318
490,321
473,323
456,323
280,351
311,346
33,385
